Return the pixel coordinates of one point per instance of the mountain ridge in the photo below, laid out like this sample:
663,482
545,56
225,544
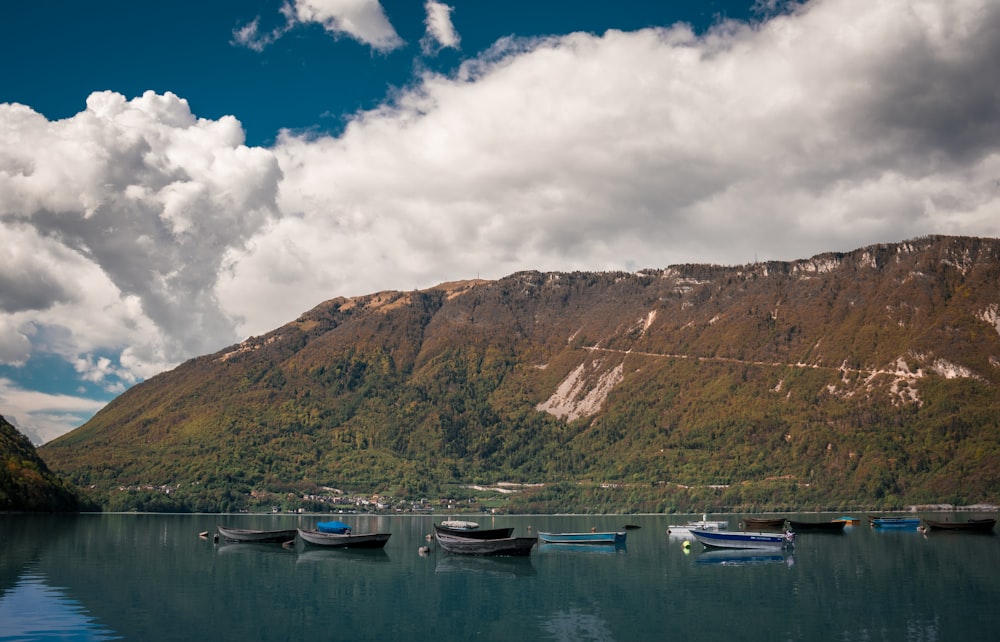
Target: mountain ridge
769,384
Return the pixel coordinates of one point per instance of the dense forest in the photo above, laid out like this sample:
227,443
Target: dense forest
866,379
26,483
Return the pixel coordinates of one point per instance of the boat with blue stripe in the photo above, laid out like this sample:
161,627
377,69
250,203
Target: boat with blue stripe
894,522
743,539
616,538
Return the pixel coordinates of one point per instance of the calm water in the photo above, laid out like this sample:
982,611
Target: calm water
150,577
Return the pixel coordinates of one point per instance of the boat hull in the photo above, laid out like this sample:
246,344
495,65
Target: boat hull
971,526
490,547
613,538
337,540
260,537
768,524
817,527
486,533
743,539
894,522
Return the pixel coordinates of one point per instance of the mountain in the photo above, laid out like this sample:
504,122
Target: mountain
860,379
26,483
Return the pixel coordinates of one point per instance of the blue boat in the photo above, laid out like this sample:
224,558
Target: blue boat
893,522
744,539
613,537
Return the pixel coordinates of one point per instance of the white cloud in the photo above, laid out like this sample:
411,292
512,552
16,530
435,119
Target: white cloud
844,123
441,32
121,216
362,20
42,417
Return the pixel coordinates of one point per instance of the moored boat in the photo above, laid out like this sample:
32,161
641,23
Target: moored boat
847,519
770,524
473,532
704,524
473,546
816,527
893,522
613,537
971,526
261,537
344,540
744,539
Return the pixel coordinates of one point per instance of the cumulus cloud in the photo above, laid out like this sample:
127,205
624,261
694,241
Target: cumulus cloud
155,235
122,215
441,32
362,20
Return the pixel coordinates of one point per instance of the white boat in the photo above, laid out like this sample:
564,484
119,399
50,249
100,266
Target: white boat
744,539
704,524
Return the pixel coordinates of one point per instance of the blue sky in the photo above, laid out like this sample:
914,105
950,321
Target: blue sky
176,177
308,79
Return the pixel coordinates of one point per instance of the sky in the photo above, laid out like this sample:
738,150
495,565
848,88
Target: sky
176,177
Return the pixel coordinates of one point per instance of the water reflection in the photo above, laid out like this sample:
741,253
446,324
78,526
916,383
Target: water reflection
735,557
573,625
342,556
508,567
33,610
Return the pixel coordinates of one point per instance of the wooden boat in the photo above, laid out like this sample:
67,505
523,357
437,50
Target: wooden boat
817,527
613,537
474,532
893,522
744,539
245,535
599,549
344,540
473,546
704,524
771,524
971,526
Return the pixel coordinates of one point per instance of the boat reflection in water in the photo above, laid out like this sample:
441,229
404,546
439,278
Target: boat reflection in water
743,557
508,567
343,556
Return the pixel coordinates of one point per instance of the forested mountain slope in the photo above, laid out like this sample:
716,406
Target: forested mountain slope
26,483
867,378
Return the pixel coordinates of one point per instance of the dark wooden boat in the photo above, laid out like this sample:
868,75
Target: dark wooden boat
260,537
971,526
766,524
817,527
344,540
474,533
471,546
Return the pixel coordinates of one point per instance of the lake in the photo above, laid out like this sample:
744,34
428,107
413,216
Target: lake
151,577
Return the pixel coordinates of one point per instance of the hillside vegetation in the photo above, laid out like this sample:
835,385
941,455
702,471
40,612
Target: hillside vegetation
26,483
862,379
